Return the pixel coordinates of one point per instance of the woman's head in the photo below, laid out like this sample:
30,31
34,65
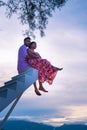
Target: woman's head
32,45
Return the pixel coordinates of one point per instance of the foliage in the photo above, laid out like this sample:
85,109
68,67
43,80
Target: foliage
34,13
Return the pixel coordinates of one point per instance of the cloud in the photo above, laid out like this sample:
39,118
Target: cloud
63,115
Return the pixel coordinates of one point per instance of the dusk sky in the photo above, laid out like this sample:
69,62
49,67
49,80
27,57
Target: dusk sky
65,45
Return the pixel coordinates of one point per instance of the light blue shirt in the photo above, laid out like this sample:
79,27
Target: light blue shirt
22,63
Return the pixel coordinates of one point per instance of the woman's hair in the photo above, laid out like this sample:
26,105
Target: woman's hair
31,44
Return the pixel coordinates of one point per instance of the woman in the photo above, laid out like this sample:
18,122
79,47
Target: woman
46,71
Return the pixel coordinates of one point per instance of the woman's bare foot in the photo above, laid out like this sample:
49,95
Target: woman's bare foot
59,69
37,92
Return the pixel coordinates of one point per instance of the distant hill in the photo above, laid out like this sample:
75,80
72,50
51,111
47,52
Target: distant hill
27,125
72,127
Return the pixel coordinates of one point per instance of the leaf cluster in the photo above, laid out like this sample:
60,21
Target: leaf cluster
34,13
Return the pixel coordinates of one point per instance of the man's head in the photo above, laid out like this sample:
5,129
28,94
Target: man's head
27,41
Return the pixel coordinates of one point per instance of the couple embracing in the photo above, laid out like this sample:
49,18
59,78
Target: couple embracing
27,57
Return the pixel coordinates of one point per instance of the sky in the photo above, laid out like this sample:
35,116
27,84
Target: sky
64,46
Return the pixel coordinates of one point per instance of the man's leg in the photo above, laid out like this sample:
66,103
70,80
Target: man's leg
36,89
41,87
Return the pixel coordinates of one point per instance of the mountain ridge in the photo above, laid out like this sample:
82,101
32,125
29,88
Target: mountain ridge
30,125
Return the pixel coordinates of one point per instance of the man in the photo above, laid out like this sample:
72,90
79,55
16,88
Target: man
22,62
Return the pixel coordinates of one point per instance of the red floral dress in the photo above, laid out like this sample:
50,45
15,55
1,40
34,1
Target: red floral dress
46,72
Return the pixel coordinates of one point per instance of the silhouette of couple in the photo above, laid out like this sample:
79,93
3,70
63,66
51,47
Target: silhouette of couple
27,57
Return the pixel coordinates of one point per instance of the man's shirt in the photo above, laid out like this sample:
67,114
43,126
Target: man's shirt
22,63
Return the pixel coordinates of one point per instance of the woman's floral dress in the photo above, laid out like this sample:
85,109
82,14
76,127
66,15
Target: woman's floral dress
46,71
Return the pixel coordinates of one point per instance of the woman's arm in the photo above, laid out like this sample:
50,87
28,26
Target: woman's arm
32,54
